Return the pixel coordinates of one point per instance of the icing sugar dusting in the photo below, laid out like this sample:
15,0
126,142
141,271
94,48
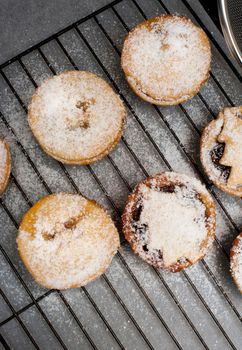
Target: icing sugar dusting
176,223
71,241
156,57
170,218
76,115
225,131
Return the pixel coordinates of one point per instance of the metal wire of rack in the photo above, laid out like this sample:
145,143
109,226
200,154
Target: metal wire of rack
199,308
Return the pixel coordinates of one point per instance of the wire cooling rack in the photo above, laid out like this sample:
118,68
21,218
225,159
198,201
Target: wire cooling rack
132,306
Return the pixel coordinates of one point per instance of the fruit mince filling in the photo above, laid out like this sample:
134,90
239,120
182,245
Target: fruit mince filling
216,154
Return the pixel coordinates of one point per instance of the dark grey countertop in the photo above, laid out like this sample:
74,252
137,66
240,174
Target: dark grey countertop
24,23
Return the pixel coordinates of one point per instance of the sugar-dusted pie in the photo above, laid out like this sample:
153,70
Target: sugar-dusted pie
166,59
76,117
66,240
169,221
221,150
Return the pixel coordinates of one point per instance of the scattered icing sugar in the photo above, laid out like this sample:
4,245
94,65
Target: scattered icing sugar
236,262
188,237
167,60
76,115
61,256
176,223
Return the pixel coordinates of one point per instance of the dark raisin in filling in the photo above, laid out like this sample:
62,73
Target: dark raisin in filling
137,212
168,189
140,229
145,248
160,254
216,154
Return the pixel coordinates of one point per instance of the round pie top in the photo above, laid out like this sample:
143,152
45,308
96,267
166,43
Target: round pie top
66,241
166,59
5,165
76,117
236,261
169,220
221,150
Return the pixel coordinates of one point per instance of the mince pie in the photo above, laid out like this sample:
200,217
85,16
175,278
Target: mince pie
221,150
169,221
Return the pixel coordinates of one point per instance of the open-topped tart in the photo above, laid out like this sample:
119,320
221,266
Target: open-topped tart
221,150
169,220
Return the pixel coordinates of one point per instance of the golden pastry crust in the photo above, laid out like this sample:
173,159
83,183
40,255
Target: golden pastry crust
66,241
76,117
236,261
166,59
167,182
212,150
5,165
